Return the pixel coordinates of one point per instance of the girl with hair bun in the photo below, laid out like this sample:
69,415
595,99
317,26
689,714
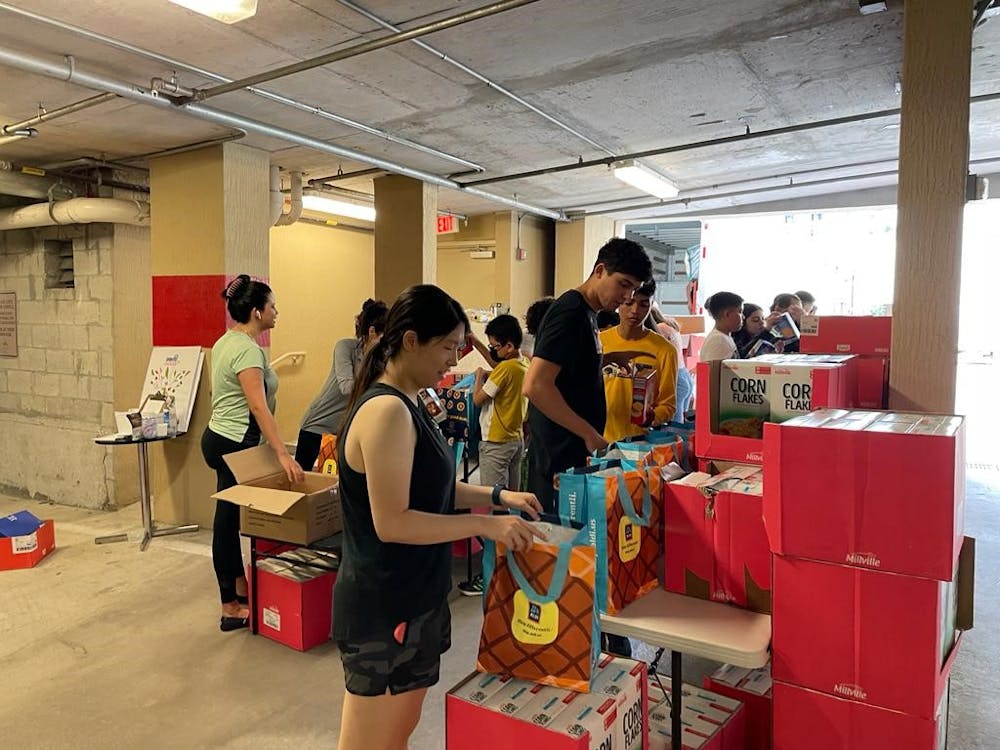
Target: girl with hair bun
243,399
398,493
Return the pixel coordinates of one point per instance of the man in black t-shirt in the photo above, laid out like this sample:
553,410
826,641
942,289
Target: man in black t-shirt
564,384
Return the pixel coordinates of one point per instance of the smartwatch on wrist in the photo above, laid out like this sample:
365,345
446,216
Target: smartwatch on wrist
495,497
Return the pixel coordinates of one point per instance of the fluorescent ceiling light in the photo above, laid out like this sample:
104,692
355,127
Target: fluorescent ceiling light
338,208
645,179
227,11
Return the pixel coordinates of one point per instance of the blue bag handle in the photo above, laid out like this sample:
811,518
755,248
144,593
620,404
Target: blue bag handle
558,573
626,500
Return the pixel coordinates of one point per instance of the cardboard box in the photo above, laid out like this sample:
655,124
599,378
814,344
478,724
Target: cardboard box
842,334
798,387
872,376
25,540
644,386
709,441
753,688
294,604
715,539
744,401
480,687
873,489
690,323
809,719
877,638
709,721
273,508
611,717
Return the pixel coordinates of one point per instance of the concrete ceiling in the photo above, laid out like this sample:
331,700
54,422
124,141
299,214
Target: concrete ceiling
628,76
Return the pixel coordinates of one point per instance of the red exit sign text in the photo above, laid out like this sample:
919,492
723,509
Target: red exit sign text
447,224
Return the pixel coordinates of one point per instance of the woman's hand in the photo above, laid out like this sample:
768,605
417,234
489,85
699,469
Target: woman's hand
526,502
513,532
292,469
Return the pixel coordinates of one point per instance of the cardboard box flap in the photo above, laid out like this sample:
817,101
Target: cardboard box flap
265,499
253,463
966,585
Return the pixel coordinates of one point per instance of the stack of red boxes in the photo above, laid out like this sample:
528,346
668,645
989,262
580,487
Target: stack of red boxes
867,337
872,577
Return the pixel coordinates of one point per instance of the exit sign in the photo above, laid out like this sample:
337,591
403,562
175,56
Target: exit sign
447,224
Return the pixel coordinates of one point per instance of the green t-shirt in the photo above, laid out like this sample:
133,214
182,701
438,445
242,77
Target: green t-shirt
231,417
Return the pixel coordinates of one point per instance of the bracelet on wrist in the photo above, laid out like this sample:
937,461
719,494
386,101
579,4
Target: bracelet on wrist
495,496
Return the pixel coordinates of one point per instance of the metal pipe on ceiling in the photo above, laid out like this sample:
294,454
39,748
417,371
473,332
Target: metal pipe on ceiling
344,176
727,140
499,88
263,93
52,114
359,49
70,72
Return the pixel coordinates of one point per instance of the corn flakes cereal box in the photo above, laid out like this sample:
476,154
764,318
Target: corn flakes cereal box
744,399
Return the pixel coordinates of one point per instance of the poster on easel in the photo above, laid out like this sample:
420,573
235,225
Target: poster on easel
174,372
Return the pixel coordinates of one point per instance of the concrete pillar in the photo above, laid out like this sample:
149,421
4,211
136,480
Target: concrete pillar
577,243
210,222
405,235
933,162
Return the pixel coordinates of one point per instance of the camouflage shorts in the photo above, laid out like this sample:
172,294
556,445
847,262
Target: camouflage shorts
373,666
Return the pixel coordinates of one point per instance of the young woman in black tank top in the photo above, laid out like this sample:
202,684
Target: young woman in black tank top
398,490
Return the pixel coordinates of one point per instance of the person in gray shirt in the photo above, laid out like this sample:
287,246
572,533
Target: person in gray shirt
326,413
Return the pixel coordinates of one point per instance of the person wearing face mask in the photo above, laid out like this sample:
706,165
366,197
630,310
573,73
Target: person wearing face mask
753,339
631,335
326,413
503,406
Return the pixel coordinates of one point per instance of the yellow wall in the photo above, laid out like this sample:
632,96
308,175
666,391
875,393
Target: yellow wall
405,241
577,243
532,277
470,281
320,277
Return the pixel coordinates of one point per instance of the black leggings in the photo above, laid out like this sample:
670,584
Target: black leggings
307,449
227,556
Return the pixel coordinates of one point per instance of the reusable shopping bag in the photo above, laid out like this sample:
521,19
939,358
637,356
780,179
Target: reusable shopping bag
540,620
620,504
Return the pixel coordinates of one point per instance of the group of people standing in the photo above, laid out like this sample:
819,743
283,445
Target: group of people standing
743,330
397,473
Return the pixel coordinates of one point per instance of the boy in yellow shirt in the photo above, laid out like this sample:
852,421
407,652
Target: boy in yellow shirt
631,335
503,407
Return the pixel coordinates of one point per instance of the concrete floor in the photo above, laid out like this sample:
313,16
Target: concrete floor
107,647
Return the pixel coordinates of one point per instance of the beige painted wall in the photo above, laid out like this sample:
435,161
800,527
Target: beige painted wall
577,243
532,277
320,276
405,234
470,281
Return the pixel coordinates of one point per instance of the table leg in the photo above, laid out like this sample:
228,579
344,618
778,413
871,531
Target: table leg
676,693
145,499
254,625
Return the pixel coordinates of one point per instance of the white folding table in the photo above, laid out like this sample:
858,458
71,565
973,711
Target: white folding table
685,625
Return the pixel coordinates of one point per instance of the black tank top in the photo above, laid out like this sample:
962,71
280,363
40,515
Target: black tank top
381,584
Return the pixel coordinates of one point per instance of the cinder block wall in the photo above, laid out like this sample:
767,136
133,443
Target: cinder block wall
57,394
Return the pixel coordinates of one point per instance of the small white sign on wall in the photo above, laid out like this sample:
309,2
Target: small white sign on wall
8,324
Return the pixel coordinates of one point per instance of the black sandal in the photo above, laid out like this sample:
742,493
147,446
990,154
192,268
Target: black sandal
227,624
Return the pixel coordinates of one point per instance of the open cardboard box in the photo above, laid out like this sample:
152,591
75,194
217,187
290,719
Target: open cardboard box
715,539
274,508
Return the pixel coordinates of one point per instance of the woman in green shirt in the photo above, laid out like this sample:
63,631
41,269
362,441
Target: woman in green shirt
243,398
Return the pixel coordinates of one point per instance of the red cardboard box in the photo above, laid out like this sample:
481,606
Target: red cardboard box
519,714
872,383
846,334
877,638
873,489
753,688
711,444
817,721
26,551
298,613
695,342
710,721
716,546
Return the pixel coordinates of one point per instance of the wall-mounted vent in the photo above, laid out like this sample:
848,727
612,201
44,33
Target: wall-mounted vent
59,264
